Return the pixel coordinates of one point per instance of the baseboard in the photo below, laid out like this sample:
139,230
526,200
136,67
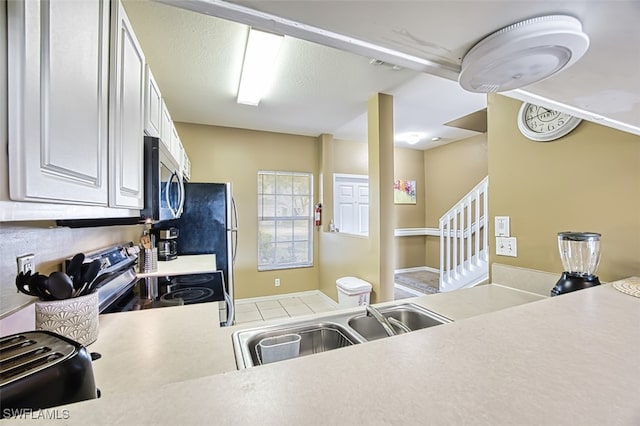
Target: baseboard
285,295
416,269
410,232
409,290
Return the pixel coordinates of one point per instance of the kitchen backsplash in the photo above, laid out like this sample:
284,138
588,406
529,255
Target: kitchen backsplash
531,280
51,245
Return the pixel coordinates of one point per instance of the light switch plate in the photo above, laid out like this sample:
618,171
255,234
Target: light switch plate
502,226
507,246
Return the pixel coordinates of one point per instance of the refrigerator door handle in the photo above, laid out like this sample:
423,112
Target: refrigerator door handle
234,225
234,230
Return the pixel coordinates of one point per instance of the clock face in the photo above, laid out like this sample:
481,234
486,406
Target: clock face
543,124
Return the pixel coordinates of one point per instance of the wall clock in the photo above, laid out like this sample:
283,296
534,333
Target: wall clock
544,124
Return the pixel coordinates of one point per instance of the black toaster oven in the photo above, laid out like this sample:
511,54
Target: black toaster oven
41,369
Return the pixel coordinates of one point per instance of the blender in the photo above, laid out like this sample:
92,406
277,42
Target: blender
580,254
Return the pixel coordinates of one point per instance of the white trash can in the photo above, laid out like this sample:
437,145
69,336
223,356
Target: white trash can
353,292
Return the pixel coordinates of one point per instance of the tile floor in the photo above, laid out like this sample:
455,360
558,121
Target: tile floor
257,310
251,310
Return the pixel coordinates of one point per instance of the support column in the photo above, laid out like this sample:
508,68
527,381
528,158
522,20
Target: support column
381,211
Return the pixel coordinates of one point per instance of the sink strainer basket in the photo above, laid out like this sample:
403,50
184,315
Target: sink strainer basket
307,341
278,348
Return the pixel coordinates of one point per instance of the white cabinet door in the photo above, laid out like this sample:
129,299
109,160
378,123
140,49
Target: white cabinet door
176,152
186,166
127,114
57,99
166,127
153,106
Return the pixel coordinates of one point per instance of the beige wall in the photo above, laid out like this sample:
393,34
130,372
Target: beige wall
341,254
51,245
351,158
410,251
451,171
366,257
588,180
222,154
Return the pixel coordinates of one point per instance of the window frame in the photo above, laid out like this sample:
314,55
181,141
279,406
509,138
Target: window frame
275,264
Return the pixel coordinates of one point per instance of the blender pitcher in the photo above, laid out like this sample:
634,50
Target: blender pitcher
580,255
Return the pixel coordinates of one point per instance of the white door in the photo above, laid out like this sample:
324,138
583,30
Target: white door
127,114
351,203
58,54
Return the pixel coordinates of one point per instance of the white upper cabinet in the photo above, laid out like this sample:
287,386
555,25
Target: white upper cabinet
127,103
153,106
57,97
186,166
166,127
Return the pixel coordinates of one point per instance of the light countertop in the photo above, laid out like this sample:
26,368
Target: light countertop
569,360
183,265
148,348
152,342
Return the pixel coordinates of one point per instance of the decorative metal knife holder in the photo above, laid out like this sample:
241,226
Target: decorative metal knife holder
148,260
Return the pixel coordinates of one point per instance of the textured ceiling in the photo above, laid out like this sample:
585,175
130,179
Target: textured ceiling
196,59
603,86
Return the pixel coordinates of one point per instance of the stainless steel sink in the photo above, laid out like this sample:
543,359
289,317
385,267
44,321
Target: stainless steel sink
316,336
413,316
332,331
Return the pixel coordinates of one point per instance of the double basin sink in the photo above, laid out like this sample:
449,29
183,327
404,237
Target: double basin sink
333,331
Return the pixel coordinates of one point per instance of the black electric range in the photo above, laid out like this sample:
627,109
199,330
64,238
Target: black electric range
120,290
171,291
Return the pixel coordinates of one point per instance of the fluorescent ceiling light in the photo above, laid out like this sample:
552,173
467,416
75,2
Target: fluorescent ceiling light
258,66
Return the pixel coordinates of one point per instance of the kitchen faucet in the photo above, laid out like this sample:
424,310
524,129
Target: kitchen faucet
402,326
373,312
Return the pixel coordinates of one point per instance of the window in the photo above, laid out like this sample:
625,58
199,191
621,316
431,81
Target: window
285,227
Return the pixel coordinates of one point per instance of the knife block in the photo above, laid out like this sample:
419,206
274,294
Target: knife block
75,318
148,260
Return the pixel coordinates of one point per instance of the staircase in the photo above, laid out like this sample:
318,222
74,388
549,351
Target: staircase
464,242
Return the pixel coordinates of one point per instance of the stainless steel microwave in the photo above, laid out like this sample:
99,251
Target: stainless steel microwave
163,184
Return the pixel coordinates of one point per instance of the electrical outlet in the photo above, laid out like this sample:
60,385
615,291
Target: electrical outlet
26,263
507,246
277,282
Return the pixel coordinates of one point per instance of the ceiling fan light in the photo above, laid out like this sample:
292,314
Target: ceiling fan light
523,53
258,66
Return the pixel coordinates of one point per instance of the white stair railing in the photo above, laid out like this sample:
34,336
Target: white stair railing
464,242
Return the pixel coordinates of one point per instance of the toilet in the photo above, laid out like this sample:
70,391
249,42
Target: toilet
353,292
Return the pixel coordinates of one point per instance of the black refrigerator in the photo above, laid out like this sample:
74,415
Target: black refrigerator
208,224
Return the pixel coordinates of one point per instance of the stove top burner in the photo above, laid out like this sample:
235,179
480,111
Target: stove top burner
192,280
186,296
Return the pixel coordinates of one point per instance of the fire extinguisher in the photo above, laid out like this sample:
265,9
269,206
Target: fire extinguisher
318,214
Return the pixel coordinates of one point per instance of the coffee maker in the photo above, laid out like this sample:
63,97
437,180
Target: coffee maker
167,241
580,255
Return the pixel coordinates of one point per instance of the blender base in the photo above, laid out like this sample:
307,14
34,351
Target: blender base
569,282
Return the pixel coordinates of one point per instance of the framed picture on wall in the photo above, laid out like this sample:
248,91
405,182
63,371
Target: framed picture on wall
404,191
